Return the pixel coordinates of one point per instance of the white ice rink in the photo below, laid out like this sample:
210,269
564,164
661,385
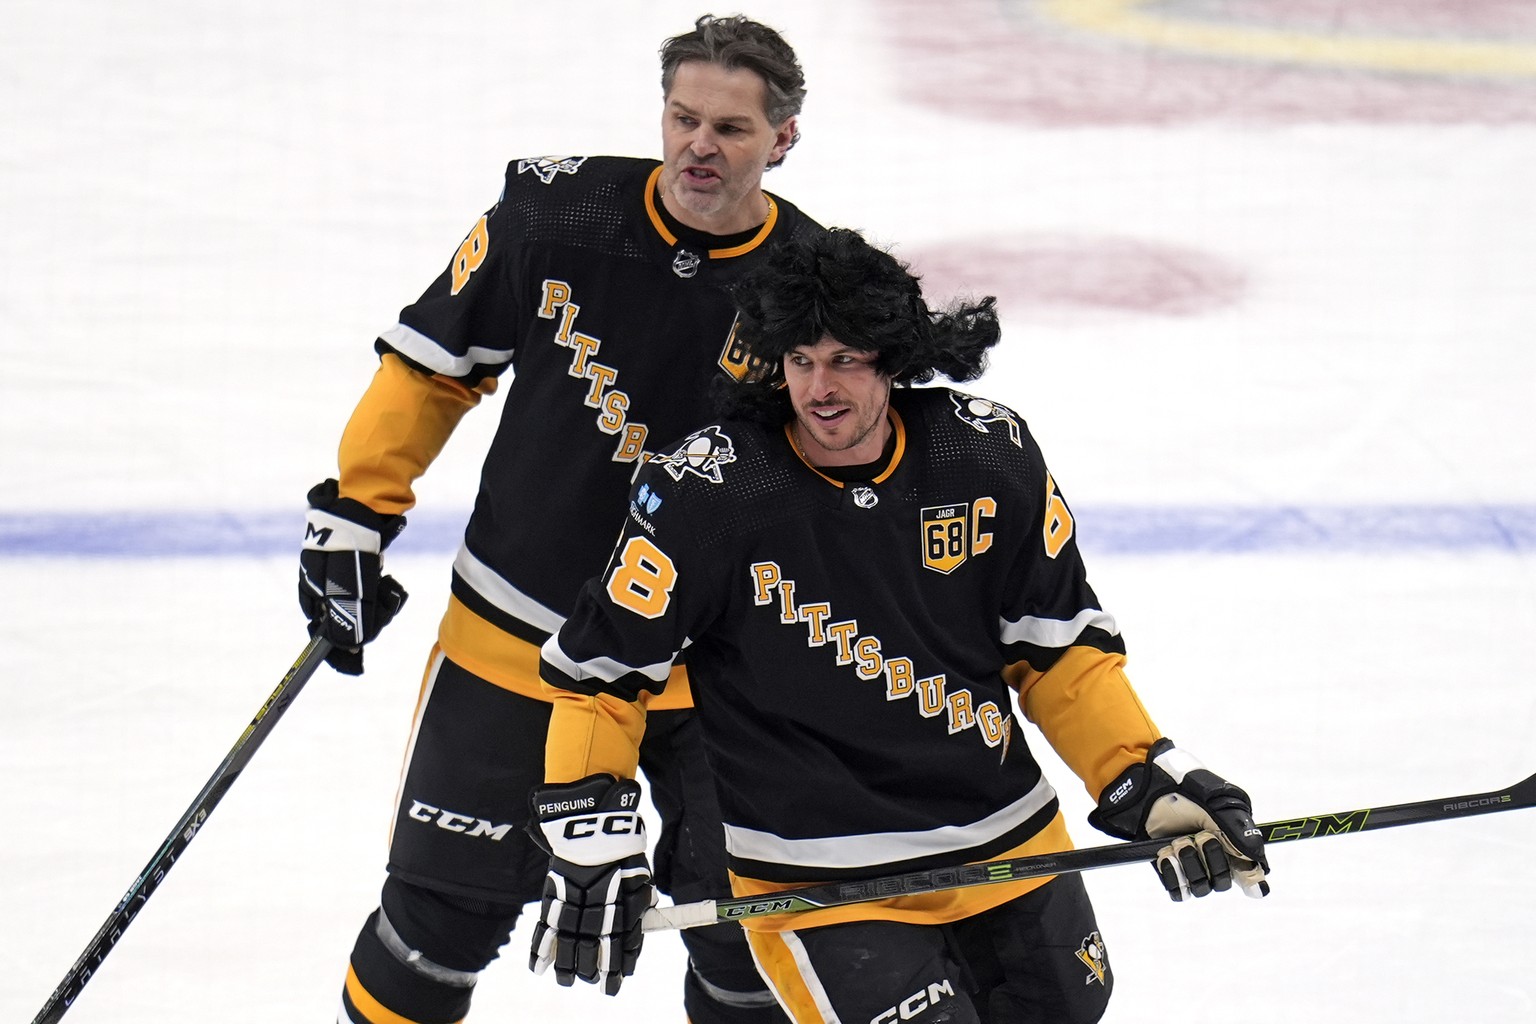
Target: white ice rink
1269,308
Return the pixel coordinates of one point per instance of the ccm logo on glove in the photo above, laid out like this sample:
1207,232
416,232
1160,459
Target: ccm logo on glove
1120,792
607,824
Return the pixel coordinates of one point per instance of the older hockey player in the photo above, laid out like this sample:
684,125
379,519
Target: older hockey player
857,572
601,283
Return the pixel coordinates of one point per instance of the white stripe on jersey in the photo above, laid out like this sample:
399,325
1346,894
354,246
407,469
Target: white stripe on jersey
419,348
1056,633
604,670
808,977
488,584
876,848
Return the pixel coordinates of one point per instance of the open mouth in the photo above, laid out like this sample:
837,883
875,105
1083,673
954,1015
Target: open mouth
829,417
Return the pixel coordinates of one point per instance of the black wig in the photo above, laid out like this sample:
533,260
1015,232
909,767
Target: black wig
836,284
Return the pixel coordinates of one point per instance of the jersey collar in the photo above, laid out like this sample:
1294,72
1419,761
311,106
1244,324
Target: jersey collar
897,452
715,254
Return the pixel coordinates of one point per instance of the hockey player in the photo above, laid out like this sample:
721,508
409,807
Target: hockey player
601,283
858,572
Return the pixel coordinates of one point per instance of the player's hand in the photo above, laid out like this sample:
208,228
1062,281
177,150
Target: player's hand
342,588
1173,794
599,884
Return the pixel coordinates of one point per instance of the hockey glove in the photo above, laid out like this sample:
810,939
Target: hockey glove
1173,794
342,588
599,884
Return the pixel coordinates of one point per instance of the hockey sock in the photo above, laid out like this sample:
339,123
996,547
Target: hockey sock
384,987
419,954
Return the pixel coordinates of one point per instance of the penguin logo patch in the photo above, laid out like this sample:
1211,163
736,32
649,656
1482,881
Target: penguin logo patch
702,454
979,412
1093,954
546,167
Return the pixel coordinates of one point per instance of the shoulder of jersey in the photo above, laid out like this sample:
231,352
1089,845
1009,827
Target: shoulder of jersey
574,173
591,183
574,199
972,419
706,462
733,479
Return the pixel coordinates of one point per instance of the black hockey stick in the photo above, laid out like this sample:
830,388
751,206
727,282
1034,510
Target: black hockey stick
837,894
186,829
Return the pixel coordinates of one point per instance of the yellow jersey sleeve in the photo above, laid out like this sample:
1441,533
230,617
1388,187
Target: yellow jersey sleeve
399,426
1086,708
591,733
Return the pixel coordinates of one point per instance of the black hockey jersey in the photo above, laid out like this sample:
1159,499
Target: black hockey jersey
612,320
852,647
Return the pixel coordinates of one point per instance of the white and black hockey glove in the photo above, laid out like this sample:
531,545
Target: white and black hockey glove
1173,794
599,884
342,588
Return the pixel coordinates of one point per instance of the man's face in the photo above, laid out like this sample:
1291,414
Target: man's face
716,143
840,401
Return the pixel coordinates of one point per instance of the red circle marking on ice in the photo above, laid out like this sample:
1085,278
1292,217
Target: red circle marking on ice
1086,273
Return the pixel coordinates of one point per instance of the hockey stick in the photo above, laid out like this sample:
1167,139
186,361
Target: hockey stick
186,829
837,894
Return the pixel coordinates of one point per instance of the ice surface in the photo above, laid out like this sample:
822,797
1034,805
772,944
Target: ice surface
1278,355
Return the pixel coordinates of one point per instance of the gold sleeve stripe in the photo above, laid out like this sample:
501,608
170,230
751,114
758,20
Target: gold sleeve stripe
1085,707
397,429
589,734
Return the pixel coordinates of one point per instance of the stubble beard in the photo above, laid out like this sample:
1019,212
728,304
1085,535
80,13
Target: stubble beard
701,203
809,424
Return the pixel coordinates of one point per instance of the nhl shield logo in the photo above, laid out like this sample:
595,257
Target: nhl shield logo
946,536
685,264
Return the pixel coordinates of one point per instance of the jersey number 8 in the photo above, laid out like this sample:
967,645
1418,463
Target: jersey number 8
643,579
